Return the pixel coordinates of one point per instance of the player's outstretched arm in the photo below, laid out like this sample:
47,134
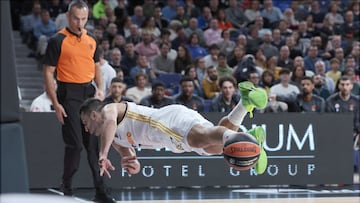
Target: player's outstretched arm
128,159
109,130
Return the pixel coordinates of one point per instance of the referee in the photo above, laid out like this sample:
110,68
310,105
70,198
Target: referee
73,54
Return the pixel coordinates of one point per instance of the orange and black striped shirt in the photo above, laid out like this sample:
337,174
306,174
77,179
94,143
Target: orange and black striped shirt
74,56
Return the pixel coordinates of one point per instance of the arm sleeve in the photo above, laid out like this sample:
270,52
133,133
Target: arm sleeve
53,50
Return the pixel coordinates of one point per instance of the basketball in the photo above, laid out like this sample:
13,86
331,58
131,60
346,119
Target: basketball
241,152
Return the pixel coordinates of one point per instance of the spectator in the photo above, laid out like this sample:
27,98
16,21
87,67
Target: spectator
181,15
43,30
194,47
317,14
223,22
191,72
228,97
235,15
284,91
61,21
223,68
148,8
118,42
277,39
260,59
319,87
271,65
205,18
162,63
200,69
272,13
289,17
169,11
110,32
307,101
295,50
343,101
107,72
129,60
253,10
334,17
213,33
146,47
191,9
267,47
99,8
193,27
117,91
267,81
284,58
141,89
226,45
212,58
160,21
149,25
237,56
187,97
210,83
29,22
253,41
311,58
134,37
143,66
297,74
183,59
180,38
321,70
121,14
55,7
334,72
138,17
76,67
284,28
157,99
339,55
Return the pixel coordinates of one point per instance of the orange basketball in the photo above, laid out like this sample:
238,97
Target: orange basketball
241,152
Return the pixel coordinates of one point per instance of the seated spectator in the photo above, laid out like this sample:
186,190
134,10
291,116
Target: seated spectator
134,36
350,72
193,27
267,47
105,45
307,101
226,45
200,69
160,21
110,33
213,33
212,58
223,22
183,59
311,58
149,25
29,22
162,63
223,68
319,87
180,38
334,72
107,72
43,30
129,60
350,29
297,75
321,70
141,89
191,72
272,13
267,81
181,15
253,10
210,83
194,47
157,99
118,42
236,16
228,97
237,56
169,10
41,103
117,91
284,91
187,97
284,60
271,65
205,18
277,40
143,66
146,47
138,17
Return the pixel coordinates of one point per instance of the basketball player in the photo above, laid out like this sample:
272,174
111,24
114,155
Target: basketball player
126,126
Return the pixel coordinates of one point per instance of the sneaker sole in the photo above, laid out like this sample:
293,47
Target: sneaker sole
260,136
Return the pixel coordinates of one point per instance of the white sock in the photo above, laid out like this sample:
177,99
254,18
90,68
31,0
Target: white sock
228,134
237,115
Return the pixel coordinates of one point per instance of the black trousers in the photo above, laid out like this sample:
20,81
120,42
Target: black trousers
71,96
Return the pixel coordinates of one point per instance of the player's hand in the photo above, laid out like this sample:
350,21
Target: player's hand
130,164
104,165
60,113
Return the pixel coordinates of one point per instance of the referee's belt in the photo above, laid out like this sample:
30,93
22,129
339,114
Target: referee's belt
87,84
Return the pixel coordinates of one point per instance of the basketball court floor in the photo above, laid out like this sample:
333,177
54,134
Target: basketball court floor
241,194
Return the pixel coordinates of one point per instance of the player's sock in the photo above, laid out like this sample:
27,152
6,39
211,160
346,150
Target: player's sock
260,135
237,114
252,97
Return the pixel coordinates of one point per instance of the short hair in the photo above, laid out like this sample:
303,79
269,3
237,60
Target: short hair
222,55
214,46
140,74
157,84
116,79
227,79
344,78
307,78
334,60
186,79
78,4
284,71
91,104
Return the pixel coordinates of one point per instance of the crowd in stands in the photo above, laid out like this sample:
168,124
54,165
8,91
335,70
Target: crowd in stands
300,52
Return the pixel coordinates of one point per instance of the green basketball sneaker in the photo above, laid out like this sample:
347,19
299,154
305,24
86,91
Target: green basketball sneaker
252,97
259,134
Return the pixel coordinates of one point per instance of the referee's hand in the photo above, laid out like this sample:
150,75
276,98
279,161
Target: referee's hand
99,94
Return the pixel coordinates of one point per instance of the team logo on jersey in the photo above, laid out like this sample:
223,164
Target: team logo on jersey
351,107
313,107
130,138
177,144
